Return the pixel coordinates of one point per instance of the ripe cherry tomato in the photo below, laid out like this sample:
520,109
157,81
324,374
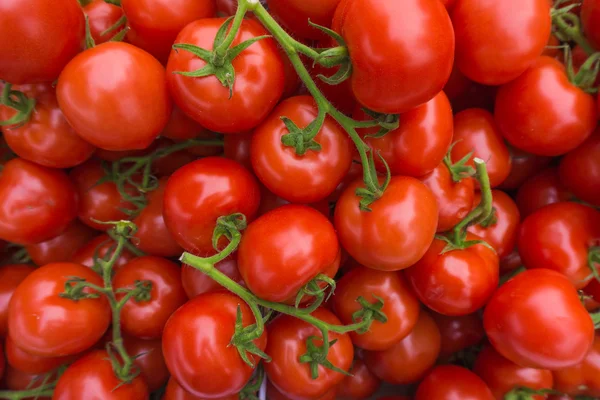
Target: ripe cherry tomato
29,363
10,277
181,127
237,148
103,16
93,373
37,203
558,237
493,46
288,342
197,349
540,190
523,327
174,391
590,18
394,84
361,385
63,247
583,378
258,76
195,282
61,326
523,166
400,306
458,332
408,360
457,282
284,249
396,233
202,191
149,359
102,246
449,382
274,394
475,131
580,170
464,93
420,142
115,96
38,39
547,122
295,14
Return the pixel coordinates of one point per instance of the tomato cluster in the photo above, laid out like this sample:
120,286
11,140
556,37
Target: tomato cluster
299,199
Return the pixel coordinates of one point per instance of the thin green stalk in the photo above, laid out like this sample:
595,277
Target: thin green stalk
222,49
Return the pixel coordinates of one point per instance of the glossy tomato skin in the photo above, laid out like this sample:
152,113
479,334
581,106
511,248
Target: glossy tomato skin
295,14
63,247
93,373
196,345
258,75
553,117
558,237
523,328
26,32
274,394
37,203
398,230
523,166
284,249
393,84
297,178
195,282
408,360
130,100
237,148
287,342
202,191
420,142
146,319
590,17
492,46
10,277
180,126
150,360
458,332
31,364
174,391
583,378
63,327
579,170
502,375
103,16
449,382
102,246
400,305
475,131
361,385
541,190
457,282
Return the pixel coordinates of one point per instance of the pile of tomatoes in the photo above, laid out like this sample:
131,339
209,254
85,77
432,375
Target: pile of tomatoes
299,199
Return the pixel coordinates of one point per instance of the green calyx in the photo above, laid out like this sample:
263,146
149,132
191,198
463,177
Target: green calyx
228,226
585,78
332,57
303,140
140,293
372,190
314,289
567,26
386,123
368,313
89,40
458,170
16,100
525,393
243,340
593,260
317,355
75,289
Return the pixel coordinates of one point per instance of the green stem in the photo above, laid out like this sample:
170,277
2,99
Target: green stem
128,245
596,319
29,393
569,25
221,50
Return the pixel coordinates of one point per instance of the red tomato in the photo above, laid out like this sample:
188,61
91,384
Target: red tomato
63,247
400,306
536,320
93,373
590,19
583,378
149,359
554,116
10,277
202,191
408,360
226,8
580,170
237,148
19,380
418,41
295,14
458,332
475,131
195,282
306,178
156,23
196,345
174,391
38,39
398,230
524,166
449,382
361,385
103,16
540,190
288,342
420,142
457,282
61,326
258,76
181,127
274,394
593,289
284,249
37,203
492,45
464,93
29,363
270,201
102,246
356,172
129,109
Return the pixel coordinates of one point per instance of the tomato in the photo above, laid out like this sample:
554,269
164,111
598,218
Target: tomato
37,203
502,375
62,326
149,359
202,191
174,391
540,190
295,14
38,39
164,167
361,385
226,8
590,17
408,360
420,142
10,277
180,126
356,172
458,332
270,201
195,282
102,246
400,306
196,345
558,237
306,178
130,100
593,289
418,41
284,249
475,131
449,382
523,327
341,95
583,378
288,342
398,230
258,76
274,394
454,199
63,247
103,16
492,45
554,116
19,380
457,282
580,170
29,363
93,373
524,166
237,148
464,93
510,262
